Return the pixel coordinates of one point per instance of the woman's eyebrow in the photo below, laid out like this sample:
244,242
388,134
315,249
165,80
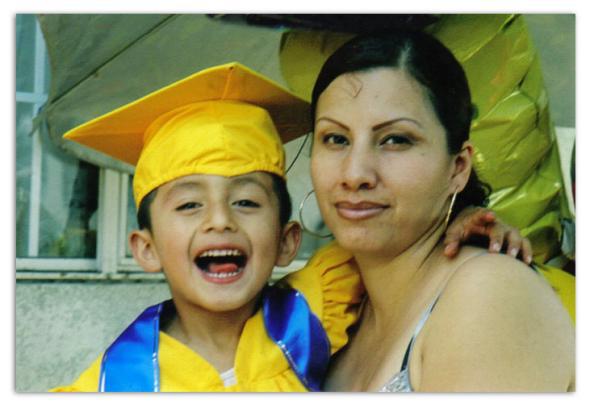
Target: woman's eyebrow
376,127
333,121
392,121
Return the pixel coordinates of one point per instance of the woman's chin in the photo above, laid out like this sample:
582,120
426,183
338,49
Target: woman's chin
358,241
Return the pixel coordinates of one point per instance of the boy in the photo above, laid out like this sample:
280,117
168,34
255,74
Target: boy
213,216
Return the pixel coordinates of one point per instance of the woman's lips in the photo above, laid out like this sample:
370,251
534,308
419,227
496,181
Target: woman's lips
359,211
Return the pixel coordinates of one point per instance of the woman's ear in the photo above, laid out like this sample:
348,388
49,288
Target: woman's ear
144,250
290,242
462,164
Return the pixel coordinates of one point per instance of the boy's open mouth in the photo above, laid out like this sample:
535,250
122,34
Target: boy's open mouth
221,265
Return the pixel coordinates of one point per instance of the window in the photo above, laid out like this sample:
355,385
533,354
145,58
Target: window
68,212
56,194
73,218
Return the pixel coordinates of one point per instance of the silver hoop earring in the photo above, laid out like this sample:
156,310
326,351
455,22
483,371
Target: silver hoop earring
450,210
310,232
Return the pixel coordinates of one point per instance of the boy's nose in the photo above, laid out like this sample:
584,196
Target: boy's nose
219,219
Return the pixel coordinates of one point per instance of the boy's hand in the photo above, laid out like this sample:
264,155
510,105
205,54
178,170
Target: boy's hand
473,221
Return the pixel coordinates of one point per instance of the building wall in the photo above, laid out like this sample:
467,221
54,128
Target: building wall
62,327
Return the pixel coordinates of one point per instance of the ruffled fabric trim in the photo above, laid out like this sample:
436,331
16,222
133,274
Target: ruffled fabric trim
333,288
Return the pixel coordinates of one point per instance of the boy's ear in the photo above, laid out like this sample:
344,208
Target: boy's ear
462,167
290,242
144,251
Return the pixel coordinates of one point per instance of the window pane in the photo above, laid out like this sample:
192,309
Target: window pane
25,52
23,175
47,77
69,200
131,216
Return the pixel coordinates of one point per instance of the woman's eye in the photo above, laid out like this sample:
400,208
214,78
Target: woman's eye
335,139
396,140
191,205
246,203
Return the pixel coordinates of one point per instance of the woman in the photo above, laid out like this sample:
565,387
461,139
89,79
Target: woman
391,164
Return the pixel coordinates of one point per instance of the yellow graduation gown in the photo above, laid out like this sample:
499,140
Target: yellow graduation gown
332,288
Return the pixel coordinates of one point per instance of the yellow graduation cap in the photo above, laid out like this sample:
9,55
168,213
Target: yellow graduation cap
226,120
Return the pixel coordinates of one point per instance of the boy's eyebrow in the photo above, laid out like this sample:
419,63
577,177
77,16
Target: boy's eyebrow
191,185
184,185
248,179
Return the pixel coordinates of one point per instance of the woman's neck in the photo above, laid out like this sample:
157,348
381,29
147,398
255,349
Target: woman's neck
395,279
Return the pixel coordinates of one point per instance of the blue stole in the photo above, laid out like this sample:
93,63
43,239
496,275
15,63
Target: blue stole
130,363
300,335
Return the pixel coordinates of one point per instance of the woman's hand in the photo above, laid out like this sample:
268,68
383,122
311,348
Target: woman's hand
477,221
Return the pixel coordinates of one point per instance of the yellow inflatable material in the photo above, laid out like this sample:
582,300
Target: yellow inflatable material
564,285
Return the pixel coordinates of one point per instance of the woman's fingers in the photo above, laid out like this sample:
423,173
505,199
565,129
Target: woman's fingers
527,251
471,221
451,249
483,222
496,234
514,243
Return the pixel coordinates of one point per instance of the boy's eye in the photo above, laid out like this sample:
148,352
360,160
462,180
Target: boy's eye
396,140
246,203
335,139
191,205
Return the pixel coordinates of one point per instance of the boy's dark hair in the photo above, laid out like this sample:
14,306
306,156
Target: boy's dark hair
279,186
434,67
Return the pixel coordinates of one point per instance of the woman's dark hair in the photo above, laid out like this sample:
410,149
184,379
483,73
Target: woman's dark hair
434,67
279,186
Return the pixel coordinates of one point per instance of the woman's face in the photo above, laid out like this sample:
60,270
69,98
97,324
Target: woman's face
380,166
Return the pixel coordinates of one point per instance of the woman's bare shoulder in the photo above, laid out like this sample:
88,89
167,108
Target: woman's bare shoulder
498,275
498,286
498,326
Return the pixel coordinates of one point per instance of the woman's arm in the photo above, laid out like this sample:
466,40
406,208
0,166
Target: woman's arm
497,327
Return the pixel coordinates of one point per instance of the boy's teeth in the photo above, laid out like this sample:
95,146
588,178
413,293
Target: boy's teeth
222,252
223,275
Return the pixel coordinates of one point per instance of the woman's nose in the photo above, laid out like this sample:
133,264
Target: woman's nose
219,218
359,172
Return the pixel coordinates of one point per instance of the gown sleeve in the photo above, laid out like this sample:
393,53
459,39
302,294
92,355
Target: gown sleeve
331,284
86,382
